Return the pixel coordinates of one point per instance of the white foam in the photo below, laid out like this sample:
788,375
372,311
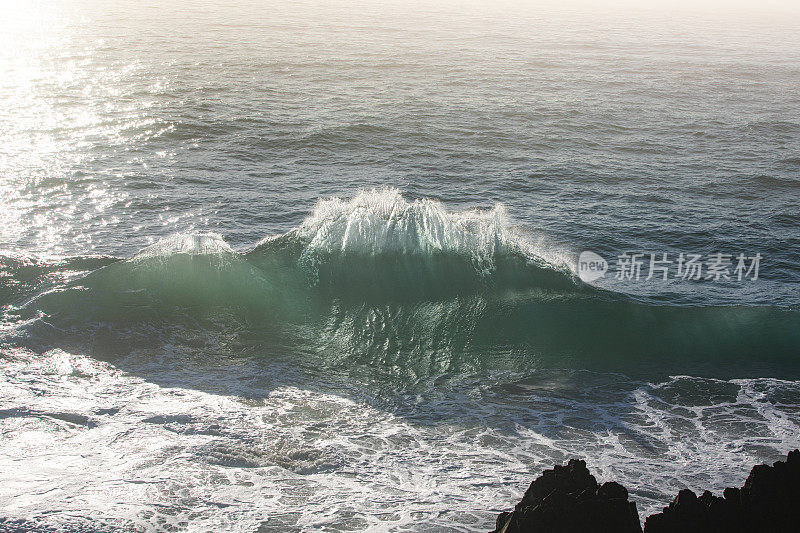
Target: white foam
104,445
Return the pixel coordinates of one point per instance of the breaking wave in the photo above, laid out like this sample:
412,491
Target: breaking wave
413,289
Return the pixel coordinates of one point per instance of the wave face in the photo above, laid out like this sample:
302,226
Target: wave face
414,290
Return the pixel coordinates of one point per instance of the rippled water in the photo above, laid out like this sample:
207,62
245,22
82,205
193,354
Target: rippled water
196,336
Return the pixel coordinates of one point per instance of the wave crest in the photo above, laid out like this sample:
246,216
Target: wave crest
382,221
381,240
186,243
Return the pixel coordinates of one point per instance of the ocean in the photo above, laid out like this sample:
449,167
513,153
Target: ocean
325,266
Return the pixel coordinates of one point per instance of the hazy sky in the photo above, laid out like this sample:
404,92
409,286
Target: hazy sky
702,5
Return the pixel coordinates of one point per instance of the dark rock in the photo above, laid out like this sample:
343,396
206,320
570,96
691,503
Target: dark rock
568,499
768,502
612,490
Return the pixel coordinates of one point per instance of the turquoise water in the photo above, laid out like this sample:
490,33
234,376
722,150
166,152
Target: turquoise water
315,267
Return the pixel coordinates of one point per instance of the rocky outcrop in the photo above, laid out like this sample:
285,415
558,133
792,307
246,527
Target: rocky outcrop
769,502
568,499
